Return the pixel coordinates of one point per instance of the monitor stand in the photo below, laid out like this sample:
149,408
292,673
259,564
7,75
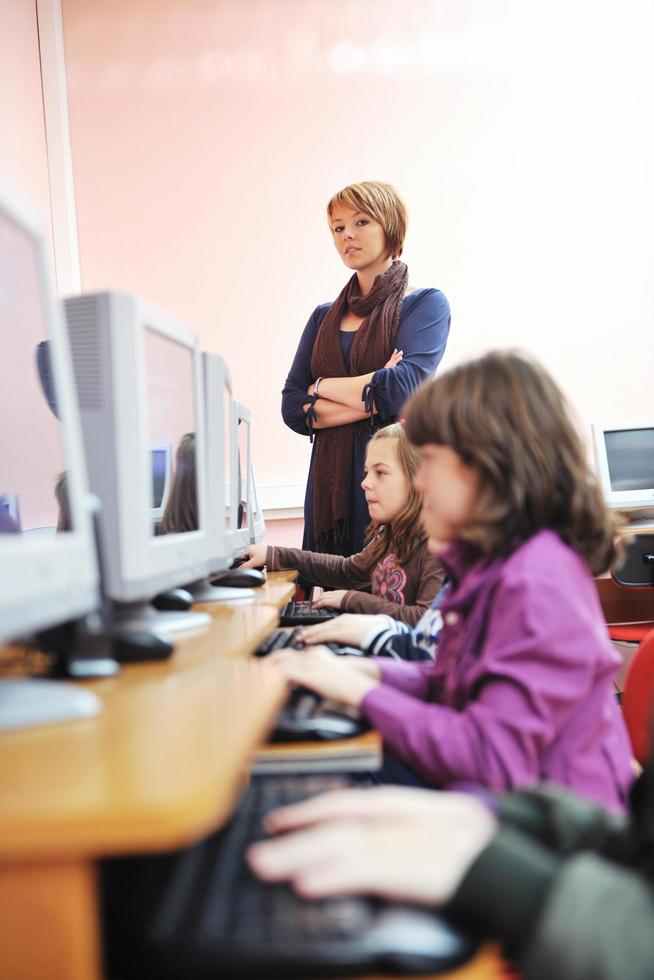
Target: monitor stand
204,591
25,703
141,617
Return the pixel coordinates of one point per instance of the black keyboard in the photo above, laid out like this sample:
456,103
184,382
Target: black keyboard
200,913
303,614
306,715
279,639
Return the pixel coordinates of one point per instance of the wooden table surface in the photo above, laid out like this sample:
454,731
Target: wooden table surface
159,767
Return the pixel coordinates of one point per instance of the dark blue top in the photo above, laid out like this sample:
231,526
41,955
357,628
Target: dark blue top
422,335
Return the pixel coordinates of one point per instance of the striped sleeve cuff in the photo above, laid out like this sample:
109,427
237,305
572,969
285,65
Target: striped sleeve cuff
378,635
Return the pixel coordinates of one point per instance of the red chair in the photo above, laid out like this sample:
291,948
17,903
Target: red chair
638,698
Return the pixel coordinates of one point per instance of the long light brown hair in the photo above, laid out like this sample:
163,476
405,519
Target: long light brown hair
181,510
405,535
504,415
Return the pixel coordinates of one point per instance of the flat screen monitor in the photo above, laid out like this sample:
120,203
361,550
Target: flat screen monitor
48,567
139,387
624,457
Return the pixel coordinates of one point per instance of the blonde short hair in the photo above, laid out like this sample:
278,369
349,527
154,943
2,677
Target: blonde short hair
379,201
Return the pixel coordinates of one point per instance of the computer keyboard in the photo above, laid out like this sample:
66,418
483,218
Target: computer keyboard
201,913
278,639
304,614
307,716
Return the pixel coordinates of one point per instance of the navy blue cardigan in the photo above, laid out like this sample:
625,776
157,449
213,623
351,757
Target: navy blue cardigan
422,335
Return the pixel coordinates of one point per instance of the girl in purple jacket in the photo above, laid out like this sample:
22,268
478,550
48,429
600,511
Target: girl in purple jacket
521,689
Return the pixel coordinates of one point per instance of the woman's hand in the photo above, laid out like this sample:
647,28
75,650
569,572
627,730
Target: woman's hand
394,359
408,844
256,556
347,628
324,672
330,600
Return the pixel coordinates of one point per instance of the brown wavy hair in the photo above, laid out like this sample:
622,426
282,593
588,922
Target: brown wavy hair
504,415
405,535
181,510
379,201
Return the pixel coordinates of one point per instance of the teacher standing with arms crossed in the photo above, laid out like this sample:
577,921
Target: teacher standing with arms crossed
358,361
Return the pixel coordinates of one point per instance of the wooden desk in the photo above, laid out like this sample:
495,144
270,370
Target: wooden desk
278,590
160,767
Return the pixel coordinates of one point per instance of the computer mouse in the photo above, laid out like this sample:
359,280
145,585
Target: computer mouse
175,600
132,648
239,561
240,578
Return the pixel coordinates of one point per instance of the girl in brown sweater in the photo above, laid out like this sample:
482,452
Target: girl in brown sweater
395,563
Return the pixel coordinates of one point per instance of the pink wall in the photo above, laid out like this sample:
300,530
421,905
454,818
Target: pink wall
287,533
208,136
22,147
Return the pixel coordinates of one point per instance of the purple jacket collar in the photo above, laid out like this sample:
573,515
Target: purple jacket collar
470,570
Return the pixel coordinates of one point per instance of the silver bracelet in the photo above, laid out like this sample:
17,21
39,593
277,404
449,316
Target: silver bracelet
315,386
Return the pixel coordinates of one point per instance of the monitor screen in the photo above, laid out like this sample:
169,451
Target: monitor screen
32,482
159,458
171,421
630,458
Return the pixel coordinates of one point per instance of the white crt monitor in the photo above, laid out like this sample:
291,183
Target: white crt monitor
47,576
218,418
624,457
239,533
257,523
139,387
48,568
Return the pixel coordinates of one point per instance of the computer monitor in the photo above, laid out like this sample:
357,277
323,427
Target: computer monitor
218,404
161,467
257,523
624,457
139,385
240,484
221,509
45,578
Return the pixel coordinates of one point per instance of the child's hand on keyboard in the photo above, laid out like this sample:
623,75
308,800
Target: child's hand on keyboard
407,844
326,674
256,556
330,600
348,628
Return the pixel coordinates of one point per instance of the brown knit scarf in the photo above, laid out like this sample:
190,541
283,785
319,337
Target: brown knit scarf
372,347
